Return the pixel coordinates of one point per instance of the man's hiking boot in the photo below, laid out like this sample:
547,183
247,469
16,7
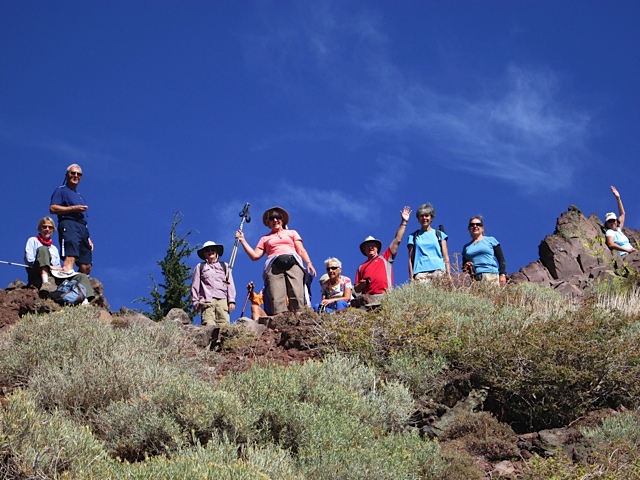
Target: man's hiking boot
48,287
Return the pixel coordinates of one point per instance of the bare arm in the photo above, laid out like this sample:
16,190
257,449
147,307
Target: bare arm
305,257
621,213
253,254
360,284
404,214
445,256
614,246
346,296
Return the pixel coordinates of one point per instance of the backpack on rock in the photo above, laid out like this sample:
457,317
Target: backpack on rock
69,292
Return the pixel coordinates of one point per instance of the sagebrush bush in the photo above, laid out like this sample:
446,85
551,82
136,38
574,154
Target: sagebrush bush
544,360
137,428
73,362
483,435
219,460
621,428
339,420
36,444
204,410
549,372
137,393
422,373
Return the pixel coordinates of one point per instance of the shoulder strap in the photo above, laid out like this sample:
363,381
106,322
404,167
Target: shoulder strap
439,235
413,246
225,269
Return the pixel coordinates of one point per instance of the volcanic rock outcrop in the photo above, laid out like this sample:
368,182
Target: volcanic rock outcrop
576,255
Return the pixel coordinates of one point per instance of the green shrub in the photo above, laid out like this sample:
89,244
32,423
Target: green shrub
204,410
421,373
136,429
35,444
219,460
78,364
548,372
339,420
390,457
621,428
544,360
483,435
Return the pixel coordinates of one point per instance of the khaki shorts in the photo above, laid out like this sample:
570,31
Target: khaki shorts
215,312
490,278
427,277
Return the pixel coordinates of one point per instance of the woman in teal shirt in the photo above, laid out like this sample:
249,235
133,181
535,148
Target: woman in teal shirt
482,257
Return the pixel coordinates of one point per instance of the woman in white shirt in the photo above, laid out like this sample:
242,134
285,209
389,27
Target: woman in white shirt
616,240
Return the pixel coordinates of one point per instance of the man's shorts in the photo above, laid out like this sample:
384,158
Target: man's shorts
215,312
428,277
74,241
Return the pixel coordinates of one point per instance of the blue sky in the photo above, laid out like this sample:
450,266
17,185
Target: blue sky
340,112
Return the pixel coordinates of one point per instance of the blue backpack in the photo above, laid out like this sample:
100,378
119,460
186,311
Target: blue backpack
69,292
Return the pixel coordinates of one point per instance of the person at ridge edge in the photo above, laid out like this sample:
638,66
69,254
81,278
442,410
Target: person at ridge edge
213,291
428,252
616,240
482,257
336,288
68,204
42,259
283,270
375,276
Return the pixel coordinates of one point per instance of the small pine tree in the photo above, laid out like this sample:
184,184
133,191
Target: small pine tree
176,289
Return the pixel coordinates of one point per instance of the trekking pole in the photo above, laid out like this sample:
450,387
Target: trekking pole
244,215
245,303
14,264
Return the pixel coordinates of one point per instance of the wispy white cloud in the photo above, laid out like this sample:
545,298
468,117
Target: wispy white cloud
86,152
519,130
76,153
522,134
323,204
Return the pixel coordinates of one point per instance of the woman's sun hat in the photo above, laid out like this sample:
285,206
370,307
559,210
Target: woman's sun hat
219,248
280,210
610,216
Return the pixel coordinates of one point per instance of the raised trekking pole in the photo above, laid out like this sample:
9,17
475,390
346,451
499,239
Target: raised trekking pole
249,292
244,215
14,264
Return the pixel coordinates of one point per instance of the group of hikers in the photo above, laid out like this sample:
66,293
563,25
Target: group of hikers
42,258
288,270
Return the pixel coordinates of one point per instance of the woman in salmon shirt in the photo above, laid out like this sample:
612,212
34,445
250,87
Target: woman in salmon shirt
284,268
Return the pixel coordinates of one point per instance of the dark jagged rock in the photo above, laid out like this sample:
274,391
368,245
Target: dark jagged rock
576,255
18,300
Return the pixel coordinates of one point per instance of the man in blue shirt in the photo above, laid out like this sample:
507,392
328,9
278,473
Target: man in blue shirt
76,246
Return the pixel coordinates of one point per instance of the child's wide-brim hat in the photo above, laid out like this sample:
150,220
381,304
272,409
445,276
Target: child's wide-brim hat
370,239
280,210
219,248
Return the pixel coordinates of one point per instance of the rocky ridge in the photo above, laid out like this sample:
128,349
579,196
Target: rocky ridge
576,255
570,260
